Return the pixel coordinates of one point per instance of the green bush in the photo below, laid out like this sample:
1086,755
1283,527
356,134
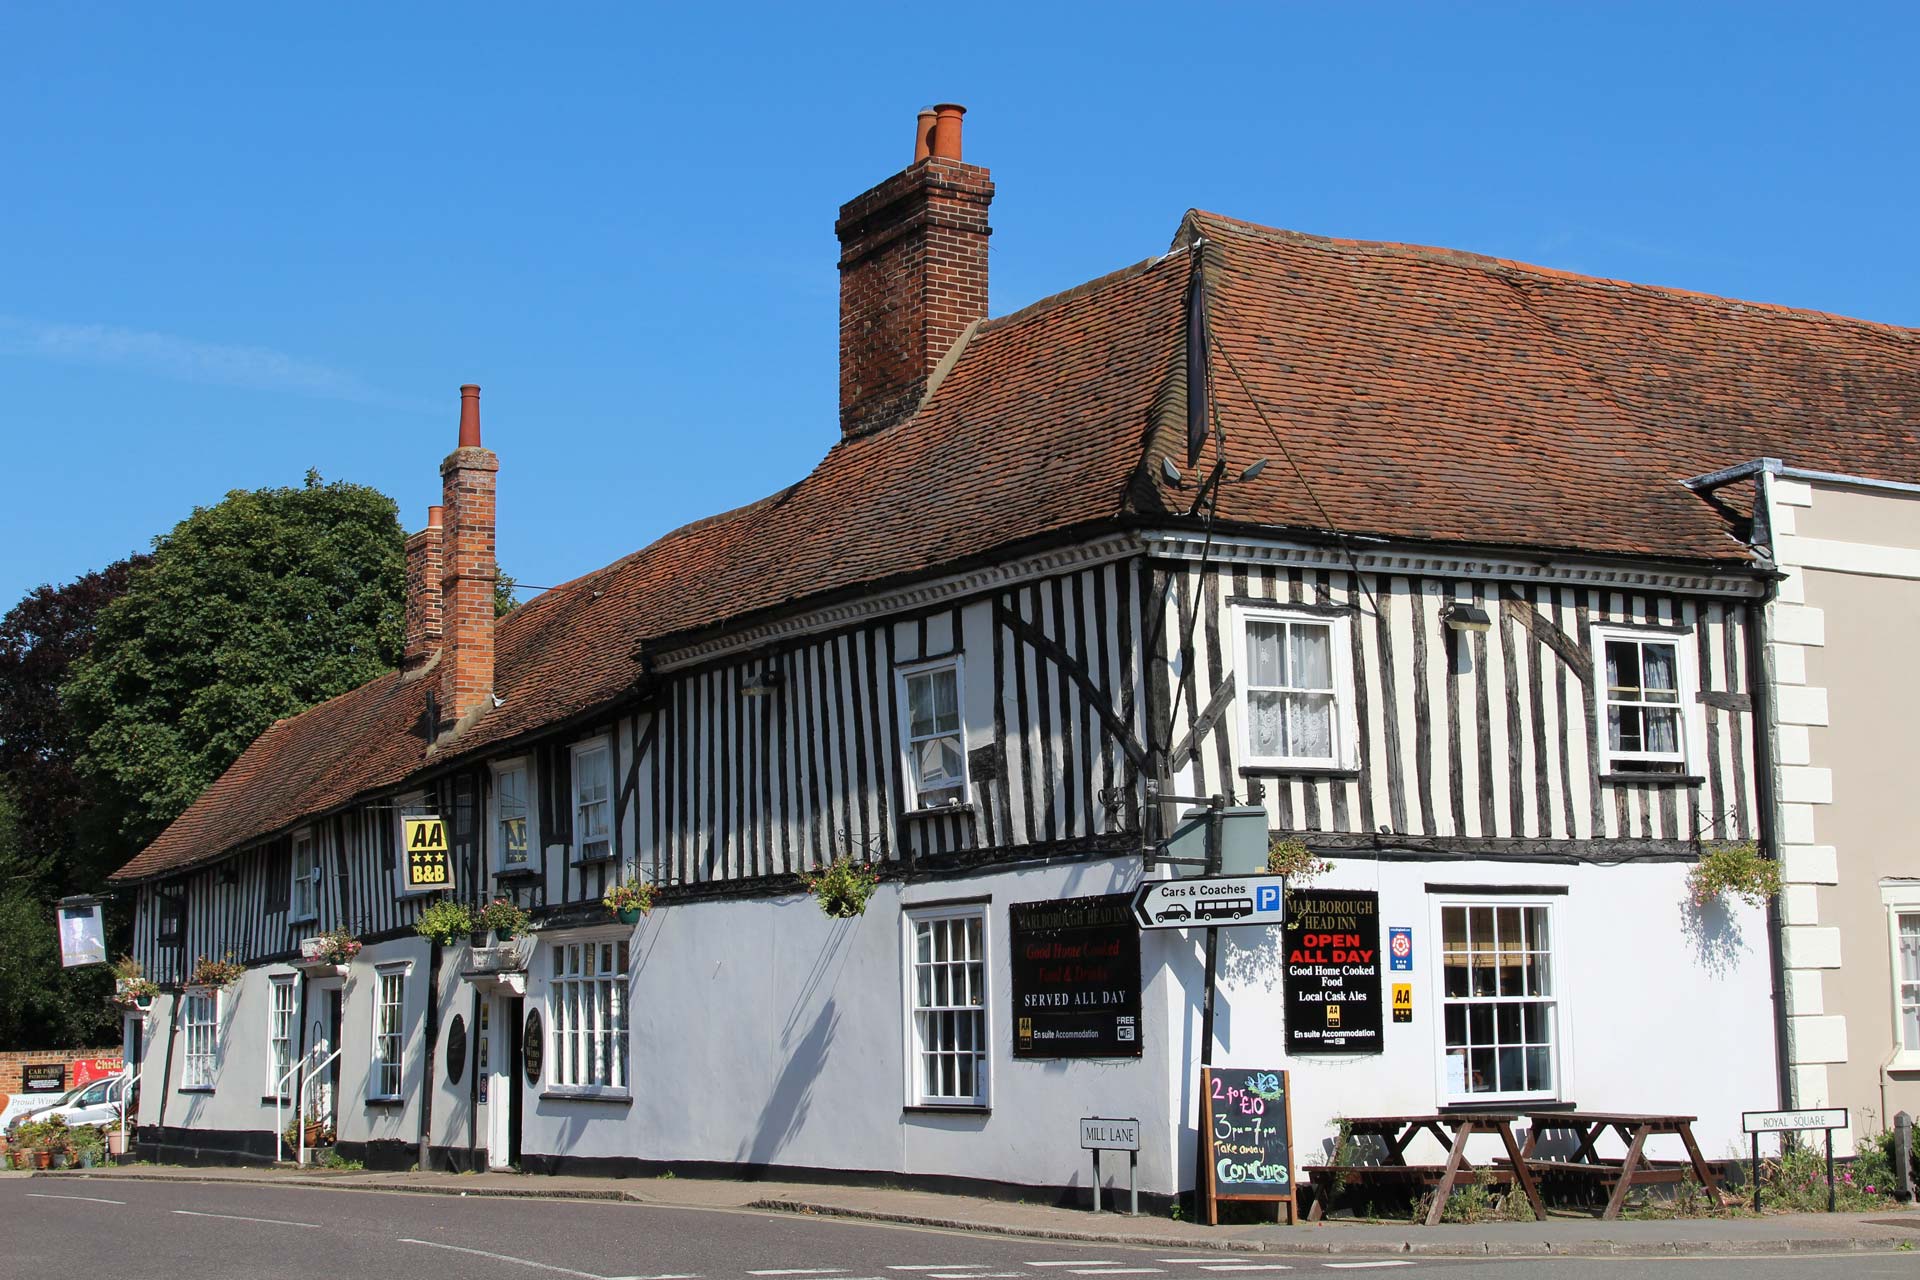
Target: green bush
1737,869
445,920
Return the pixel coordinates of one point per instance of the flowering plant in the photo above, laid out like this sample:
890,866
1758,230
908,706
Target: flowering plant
1290,857
628,895
1737,869
131,986
223,972
505,917
336,947
843,887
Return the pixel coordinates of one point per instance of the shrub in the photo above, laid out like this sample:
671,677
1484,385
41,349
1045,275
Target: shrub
444,920
1737,869
843,887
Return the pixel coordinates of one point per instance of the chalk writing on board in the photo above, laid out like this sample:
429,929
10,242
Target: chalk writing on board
1247,1118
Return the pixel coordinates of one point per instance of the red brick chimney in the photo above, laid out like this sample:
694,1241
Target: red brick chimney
467,568
423,594
913,274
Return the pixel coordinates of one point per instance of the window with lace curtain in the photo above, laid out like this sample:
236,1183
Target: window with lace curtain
1297,689
1645,686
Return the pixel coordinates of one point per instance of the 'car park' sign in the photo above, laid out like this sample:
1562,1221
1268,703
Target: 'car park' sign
1205,901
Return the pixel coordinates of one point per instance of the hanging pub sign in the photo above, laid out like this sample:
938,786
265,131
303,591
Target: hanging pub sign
429,864
83,939
1076,978
1333,971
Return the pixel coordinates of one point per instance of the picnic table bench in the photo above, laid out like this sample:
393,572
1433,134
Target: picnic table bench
1397,1132
1634,1170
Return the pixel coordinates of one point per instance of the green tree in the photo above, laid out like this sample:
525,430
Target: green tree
42,1006
250,610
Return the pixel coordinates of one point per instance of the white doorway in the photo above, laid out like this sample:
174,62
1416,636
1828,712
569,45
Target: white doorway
493,1070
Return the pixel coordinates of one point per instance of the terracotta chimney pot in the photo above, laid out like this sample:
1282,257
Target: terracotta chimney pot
946,130
470,415
923,134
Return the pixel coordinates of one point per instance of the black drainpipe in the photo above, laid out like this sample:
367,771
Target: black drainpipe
1760,685
425,1155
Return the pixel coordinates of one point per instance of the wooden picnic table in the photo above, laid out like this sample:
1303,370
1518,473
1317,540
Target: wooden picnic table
1634,1129
1452,1129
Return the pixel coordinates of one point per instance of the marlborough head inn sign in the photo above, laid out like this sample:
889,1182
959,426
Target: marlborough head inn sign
1333,971
1076,978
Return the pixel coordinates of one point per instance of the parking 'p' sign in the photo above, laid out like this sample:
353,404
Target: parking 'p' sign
429,865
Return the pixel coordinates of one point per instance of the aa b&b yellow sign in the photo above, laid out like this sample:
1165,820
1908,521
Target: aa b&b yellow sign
429,866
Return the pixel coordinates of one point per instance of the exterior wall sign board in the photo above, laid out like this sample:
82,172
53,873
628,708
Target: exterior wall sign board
1400,949
429,864
43,1077
1076,978
1333,972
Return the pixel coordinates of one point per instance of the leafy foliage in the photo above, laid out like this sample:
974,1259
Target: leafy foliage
504,916
843,887
1290,857
445,920
250,610
628,895
1734,868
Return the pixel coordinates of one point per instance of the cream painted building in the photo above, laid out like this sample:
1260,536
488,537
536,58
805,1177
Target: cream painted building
1845,699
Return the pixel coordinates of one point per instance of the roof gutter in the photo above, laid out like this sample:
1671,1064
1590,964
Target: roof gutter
1775,467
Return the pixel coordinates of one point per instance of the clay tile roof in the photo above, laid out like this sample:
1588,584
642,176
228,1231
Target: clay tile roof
1421,394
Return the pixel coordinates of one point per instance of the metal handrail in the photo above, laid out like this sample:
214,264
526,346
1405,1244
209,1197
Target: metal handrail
129,1080
294,1073
304,1086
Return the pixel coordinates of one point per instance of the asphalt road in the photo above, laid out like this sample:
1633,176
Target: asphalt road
212,1231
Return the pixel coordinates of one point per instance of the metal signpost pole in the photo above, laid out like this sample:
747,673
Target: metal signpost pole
1214,818
1830,1196
1753,1171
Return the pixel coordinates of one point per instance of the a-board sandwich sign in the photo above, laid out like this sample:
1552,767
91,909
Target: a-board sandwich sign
1332,940
1247,1125
429,864
1076,978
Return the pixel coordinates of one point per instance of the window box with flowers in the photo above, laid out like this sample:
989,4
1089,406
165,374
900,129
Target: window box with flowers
328,955
504,917
132,989
223,972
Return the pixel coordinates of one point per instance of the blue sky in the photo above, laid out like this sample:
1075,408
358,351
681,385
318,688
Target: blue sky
237,242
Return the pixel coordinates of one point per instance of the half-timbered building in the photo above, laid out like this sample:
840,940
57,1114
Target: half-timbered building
1390,542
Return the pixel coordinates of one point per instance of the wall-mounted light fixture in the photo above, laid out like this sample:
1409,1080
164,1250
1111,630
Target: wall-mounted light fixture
763,684
1462,616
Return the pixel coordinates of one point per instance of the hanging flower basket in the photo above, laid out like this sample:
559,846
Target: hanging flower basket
842,887
629,900
505,917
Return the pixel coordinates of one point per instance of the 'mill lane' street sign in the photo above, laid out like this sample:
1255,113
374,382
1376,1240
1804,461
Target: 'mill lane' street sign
1209,900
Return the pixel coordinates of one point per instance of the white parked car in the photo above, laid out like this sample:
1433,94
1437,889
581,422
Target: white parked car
95,1103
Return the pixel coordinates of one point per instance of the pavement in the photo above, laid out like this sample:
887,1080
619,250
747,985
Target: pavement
1560,1236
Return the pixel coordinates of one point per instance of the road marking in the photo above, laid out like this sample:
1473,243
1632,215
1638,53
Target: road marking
1117,1271
803,1271
1189,1261
234,1217
958,1266
1075,1262
1361,1266
1246,1266
974,1275
538,1266
41,1195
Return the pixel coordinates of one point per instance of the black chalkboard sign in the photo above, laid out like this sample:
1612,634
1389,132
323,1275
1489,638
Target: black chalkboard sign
1247,1124
1332,939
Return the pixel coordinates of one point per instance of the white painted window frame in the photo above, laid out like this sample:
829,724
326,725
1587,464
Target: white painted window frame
1346,724
1686,675
914,1041
496,842
276,1068
376,1092
587,746
193,1078
1559,960
303,845
910,770
1900,898
559,1022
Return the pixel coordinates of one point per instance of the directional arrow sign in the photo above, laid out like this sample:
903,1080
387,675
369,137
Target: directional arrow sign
1209,900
